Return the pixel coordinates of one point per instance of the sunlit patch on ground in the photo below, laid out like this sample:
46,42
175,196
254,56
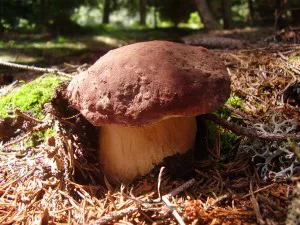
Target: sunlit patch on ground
109,40
30,51
17,57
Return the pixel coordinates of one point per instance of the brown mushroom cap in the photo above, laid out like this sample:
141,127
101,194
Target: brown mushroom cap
146,82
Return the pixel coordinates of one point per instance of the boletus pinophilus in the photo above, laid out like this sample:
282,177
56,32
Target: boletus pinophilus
145,97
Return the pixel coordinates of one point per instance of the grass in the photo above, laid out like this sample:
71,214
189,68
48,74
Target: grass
31,96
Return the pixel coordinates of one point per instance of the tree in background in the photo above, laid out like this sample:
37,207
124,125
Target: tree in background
227,14
206,16
294,7
55,15
11,11
251,12
106,11
143,11
176,11
52,15
155,4
135,7
59,15
280,14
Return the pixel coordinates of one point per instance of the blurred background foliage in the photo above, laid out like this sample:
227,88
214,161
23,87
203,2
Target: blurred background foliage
79,16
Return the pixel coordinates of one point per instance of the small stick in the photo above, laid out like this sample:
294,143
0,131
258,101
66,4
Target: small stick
115,215
219,199
259,190
250,132
34,68
181,188
255,206
166,200
159,182
282,56
238,112
174,212
40,127
269,202
26,116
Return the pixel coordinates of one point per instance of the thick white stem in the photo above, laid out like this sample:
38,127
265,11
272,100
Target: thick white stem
128,152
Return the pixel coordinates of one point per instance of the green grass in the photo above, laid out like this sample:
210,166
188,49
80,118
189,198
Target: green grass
31,96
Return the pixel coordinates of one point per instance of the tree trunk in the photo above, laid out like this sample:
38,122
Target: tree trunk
206,15
1,15
143,4
106,12
251,12
44,5
155,14
227,16
280,14
296,16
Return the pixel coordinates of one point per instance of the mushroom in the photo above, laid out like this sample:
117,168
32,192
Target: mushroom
145,97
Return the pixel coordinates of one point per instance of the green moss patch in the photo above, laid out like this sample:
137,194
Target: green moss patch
31,96
234,101
227,138
37,137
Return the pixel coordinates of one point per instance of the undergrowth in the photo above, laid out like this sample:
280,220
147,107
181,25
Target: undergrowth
38,137
227,138
234,101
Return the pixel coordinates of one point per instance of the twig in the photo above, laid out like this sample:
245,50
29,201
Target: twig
216,201
174,212
118,214
238,112
159,182
258,190
40,127
34,68
250,132
166,200
115,215
26,116
255,206
282,56
269,202
181,188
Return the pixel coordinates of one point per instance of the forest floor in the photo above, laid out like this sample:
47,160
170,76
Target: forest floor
253,181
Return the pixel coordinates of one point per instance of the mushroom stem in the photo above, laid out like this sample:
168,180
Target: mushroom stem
128,152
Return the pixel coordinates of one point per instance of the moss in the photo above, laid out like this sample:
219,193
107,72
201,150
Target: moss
234,101
31,96
38,137
227,138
